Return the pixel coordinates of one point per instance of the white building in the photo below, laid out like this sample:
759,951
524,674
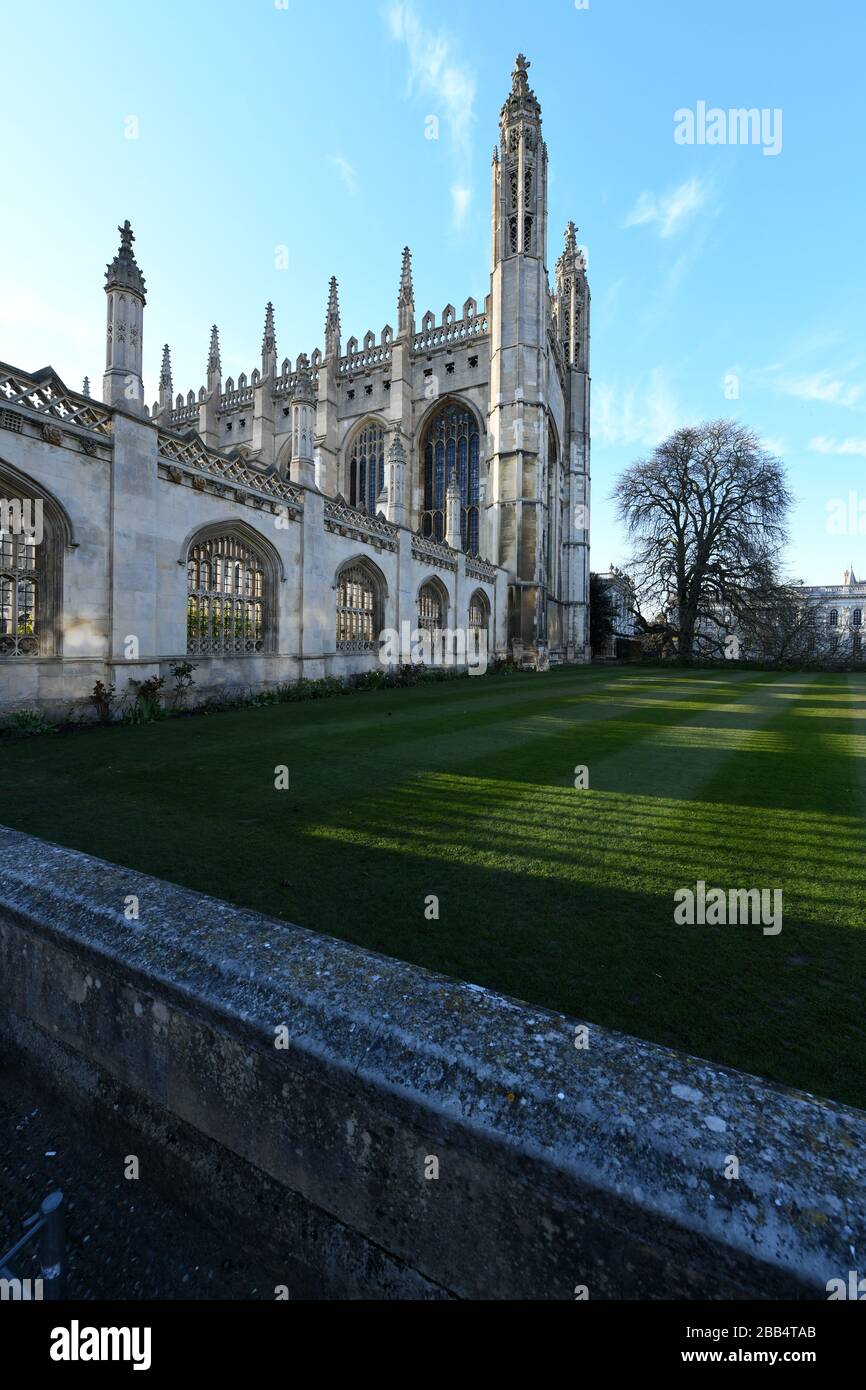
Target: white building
435,474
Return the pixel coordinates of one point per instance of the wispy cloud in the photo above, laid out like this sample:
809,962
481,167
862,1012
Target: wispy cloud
437,74
821,386
822,445
642,414
669,212
346,172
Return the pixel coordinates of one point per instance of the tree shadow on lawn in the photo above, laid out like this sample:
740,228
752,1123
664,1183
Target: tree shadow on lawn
788,1007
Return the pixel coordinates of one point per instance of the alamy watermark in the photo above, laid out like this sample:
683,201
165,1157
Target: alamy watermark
714,907
22,518
454,646
737,126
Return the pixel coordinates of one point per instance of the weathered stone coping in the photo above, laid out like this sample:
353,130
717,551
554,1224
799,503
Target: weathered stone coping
559,1166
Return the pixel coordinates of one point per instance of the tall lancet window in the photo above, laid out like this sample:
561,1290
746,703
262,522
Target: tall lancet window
33,534
367,467
359,601
229,597
451,446
19,580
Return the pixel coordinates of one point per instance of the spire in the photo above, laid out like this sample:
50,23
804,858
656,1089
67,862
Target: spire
213,360
332,322
214,365
165,373
85,390
165,386
269,343
123,272
406,297
570,239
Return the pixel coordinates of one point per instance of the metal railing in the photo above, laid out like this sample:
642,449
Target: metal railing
47,1227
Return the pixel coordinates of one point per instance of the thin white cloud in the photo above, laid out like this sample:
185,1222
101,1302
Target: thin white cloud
669,212
460,200
822,445
437,76
643,414
346,172
820,386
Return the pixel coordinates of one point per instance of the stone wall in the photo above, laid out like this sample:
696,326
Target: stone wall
130,516
308,1092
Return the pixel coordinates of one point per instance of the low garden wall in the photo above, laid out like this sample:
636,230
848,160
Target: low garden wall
381,1132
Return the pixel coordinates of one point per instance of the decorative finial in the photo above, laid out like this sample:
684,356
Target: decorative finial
519,80
213,361
269,341
85,390
122,272
406,295
332,321
165,373
571,239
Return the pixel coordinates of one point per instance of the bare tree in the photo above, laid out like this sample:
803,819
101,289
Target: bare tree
706,514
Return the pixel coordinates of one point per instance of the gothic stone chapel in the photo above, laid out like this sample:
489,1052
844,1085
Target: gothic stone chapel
275,526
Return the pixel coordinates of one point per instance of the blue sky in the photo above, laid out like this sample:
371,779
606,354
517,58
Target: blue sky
302,124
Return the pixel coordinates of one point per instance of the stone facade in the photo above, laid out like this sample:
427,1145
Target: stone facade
436,475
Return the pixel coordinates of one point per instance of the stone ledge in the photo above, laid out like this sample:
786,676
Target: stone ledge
558,1166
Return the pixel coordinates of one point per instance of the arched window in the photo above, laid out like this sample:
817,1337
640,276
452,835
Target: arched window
358,609
858,617
33,532
450,445
19,587
479,611
432,606
367,467
229,603
834,617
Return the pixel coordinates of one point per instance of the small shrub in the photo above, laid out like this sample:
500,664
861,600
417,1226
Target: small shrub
103,697
26,722
149,690
181,672
144,711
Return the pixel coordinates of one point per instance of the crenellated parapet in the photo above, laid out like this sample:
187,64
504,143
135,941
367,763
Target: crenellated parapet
359,358
451,331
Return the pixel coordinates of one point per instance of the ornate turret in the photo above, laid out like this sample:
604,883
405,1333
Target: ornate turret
572,300
520,173
124,285
395,479
406,298
269,343
303,424
332,322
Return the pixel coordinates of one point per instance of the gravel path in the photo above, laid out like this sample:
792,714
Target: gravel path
124,1240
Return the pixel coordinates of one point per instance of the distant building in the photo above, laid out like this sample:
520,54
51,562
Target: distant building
620,590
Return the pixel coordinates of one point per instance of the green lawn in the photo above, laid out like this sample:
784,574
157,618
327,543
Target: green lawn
557,896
